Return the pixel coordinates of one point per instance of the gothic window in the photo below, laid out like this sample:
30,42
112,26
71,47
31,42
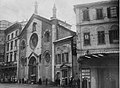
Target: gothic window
87,38
114,34
99,13
65,57
101,37
23,45
34,26
47,57
86,15
112,12
58,59
47,36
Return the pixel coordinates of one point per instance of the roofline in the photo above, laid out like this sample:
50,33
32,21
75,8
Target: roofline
62,39
31,18
95,4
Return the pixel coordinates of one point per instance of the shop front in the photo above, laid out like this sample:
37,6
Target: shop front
99,70
9,74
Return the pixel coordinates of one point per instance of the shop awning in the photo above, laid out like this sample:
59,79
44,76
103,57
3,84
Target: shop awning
95,56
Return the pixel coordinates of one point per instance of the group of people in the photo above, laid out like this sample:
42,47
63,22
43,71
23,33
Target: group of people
72,82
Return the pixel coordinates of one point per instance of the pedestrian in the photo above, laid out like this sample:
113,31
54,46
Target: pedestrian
46,81
40,82
78,83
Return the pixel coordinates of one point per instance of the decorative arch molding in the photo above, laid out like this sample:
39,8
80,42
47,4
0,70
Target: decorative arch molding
47,58
114,27
63,48
47,34
100,28
86,29
23,44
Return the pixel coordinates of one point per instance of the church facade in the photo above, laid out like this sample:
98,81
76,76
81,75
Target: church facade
39,40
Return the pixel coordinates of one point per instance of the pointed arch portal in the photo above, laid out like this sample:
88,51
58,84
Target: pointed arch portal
32,70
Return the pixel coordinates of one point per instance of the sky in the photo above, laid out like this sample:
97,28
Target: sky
19,10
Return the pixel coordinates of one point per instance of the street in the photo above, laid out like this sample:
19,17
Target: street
6,85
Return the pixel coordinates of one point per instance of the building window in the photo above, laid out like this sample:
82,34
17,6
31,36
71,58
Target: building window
99,13
12,35
58,59
11,57
87,38
101,37
15,56
64,73
47,36
86,15
112,12
65,57
16,33
7,46
47,57
114,36
34,27
8,37
86,82
63,60
11,45
23,45
16,43
7,57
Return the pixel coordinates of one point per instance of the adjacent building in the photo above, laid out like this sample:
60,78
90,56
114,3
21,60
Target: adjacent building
11,52
98,44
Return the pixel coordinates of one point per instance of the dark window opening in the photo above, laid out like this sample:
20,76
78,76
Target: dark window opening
87,38
86,15
101,37
34,27
114,36
99,13
47,36
112,12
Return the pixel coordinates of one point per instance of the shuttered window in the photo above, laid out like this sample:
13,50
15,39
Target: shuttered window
112,12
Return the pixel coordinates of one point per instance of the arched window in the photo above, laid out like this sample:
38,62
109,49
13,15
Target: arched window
23,45
47,36
47,57
34,27
114,34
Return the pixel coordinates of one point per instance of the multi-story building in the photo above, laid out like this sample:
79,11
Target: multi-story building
3,25
9,68
98,44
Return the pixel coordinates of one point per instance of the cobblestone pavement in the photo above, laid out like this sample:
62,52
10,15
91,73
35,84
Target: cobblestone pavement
5,85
